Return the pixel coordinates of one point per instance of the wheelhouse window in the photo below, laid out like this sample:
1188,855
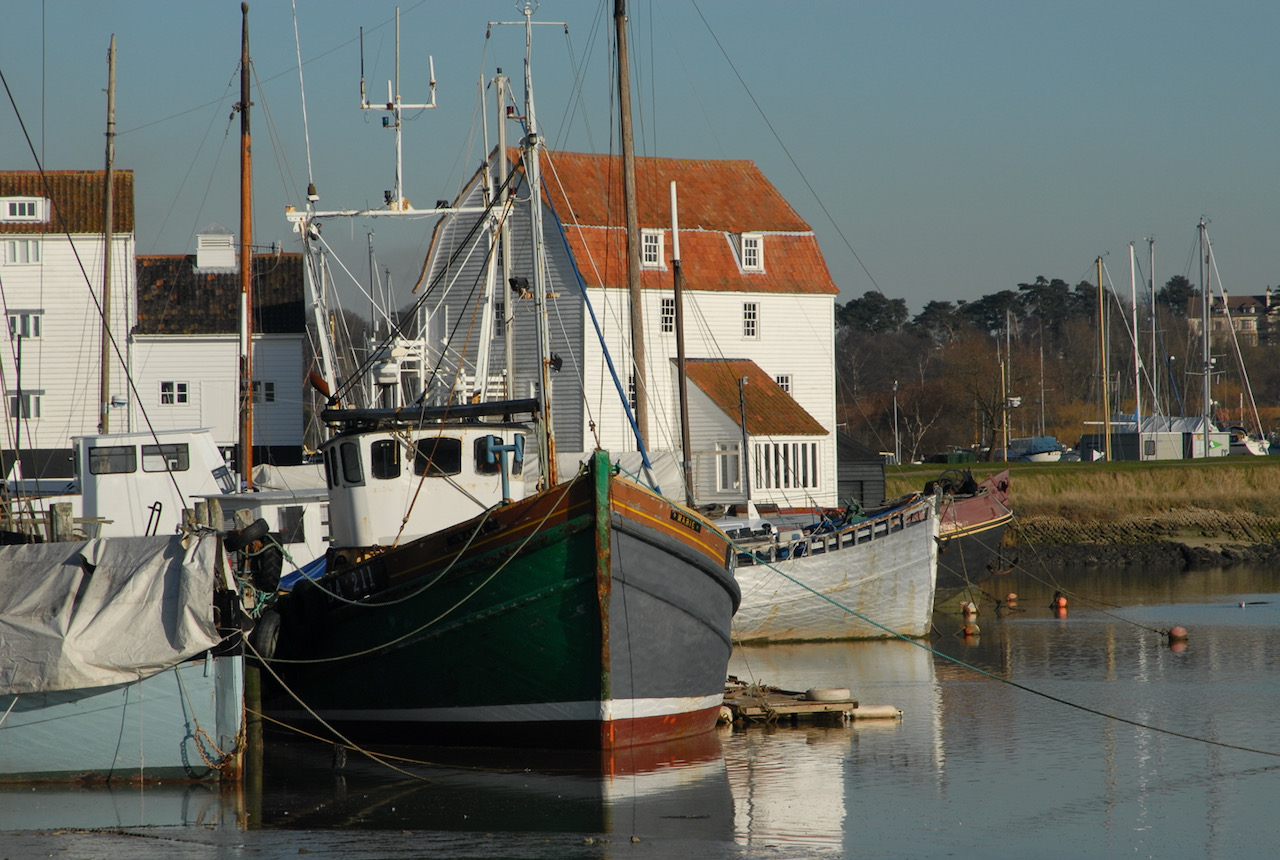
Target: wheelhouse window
384,459
750,320
651,249
166,458
26,405
752,252
439,455
352,473
290,521
173,393
113,460
668,314
22,252
26,324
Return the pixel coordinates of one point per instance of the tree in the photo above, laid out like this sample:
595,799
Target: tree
939,321
873,313
1175,294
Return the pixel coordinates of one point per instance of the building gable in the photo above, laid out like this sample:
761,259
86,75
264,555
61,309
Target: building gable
77,199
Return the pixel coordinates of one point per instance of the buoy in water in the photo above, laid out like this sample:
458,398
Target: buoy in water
1059,601
970,629
1011,600
1177,633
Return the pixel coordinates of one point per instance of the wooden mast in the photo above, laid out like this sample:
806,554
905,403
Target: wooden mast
633,224
108,235
686,446
246,262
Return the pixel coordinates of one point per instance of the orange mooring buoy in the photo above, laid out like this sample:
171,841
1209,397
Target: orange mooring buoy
1059,601
1177,633
970,630
1011,600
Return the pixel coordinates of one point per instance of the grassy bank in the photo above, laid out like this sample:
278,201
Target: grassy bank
1112,492
1203,504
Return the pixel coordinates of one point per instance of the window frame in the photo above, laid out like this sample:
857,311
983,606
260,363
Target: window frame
751,320
32,406
652,250
173,457
728,460
110,456
667,314
38,206
31,320
32,252
752,252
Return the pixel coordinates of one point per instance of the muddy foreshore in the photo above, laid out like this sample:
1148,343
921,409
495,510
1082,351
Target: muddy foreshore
1186,539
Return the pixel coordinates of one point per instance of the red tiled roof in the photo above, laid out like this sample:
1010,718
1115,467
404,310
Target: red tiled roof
770,410
78,200
718,200
173,298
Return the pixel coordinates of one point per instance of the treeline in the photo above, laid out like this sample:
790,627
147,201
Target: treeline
954,362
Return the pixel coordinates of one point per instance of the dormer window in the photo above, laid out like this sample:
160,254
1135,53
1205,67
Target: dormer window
752,252
23,209
651,249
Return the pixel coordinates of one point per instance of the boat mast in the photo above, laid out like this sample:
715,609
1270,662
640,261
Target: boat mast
1137,361
246,262
108,236
1102,338
532,142
686,446
1206,360
633,224
1156,365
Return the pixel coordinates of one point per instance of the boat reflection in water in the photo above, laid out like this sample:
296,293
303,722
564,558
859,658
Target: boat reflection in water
113,806
676,790
794,785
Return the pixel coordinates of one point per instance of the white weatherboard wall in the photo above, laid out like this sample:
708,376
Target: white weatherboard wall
796,337
210,366
64,362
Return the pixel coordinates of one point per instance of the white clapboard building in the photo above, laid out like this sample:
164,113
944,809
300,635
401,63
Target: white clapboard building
758,319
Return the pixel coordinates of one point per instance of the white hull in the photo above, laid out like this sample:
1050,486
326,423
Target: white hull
878,583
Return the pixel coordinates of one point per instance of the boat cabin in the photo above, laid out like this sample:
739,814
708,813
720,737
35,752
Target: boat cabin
396,483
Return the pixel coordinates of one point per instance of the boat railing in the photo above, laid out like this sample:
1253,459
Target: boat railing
790,546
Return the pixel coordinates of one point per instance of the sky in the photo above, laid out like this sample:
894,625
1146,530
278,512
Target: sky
939,150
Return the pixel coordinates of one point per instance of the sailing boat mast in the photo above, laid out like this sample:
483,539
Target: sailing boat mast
633,223
1137,360
686,446
1102,338
246,262
108,235
1206,360
532,142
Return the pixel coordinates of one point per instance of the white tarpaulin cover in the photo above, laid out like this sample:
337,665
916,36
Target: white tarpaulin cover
100,612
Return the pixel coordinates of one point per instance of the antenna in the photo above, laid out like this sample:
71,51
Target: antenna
395,198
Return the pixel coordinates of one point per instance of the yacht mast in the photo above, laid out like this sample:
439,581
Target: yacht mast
246,262
1206,360
108,236
1137,361
1102,338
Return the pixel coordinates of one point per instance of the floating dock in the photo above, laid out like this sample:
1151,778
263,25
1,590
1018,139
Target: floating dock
756,703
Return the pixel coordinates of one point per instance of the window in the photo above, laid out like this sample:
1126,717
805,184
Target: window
784,381
438,455
669,314
384,459
26,405
786,465
22,209
27,324
651,249
289,520
631,391
113,460
22,251
351,471
264,392
750,320
172,393
728,471
500,318
166,458
752,252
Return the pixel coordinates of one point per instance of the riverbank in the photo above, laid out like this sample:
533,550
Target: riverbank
1173,514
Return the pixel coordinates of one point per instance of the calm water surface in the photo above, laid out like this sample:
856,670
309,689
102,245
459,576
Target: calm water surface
976,767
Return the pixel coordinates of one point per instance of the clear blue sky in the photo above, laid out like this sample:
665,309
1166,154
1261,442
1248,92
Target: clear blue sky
953,149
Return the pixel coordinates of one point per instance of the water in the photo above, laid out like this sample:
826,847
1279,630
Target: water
975,767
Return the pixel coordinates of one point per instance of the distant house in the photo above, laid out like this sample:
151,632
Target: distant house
1255,319
758,304
186,346
172,345
52,247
